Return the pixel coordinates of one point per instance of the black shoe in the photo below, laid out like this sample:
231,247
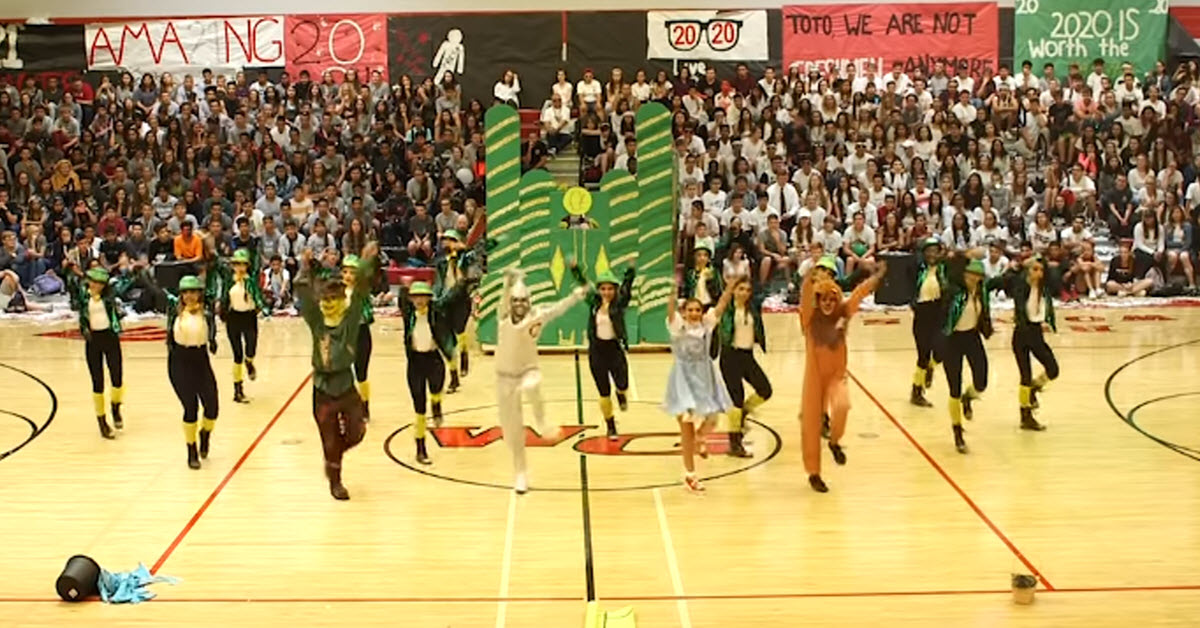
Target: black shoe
118,420
1033,400
959,443
422,455
1030,423
611,428
929,377
737,449
105,430
205,438
622,402
825,427
817,483
366,412
464,363
251,372
967,411
839,456
239,394
917,398
436,415
193,456
336,489
453,387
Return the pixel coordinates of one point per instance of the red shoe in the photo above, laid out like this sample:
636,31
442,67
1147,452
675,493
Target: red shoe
692,483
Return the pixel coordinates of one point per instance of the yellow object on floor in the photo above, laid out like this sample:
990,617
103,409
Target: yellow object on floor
596,618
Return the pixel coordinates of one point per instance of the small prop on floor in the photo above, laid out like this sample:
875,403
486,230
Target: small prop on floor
79,580
129,587
1023,588
597,618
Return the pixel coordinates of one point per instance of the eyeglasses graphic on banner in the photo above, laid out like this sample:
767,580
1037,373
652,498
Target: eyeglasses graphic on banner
720,34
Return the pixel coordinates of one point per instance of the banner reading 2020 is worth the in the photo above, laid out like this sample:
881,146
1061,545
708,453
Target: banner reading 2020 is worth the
1079,31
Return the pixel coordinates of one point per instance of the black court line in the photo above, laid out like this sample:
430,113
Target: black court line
1134,410
1128,417
589,573
37,430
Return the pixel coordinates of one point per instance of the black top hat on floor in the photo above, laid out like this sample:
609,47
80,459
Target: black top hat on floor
79,580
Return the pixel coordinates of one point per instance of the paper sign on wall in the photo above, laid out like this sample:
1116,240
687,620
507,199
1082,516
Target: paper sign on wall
707,35
182,45
337,43
917,35
1077,31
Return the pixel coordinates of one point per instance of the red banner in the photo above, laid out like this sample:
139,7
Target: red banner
337,43
821,37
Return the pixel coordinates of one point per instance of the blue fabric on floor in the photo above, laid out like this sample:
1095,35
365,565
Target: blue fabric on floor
129,587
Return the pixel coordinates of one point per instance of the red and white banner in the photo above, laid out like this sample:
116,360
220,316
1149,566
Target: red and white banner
707,35
337,43
821,37
185,45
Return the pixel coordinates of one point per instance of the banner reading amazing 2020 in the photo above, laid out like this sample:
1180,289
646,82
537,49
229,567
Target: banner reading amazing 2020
1079,31
917,35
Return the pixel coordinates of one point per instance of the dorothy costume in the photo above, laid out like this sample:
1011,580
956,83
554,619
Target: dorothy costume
694,388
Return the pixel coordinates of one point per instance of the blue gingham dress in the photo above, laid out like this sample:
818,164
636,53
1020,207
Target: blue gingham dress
694,385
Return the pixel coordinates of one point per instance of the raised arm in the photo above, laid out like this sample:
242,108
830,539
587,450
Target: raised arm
863,289
722,303
306,292
546,315
625,292
808,300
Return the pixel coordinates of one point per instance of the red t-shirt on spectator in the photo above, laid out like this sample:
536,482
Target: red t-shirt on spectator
115,223
84,94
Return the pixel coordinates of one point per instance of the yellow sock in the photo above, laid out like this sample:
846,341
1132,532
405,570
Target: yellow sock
118,395
919,378
237,373
735,419
606,408
189,433
98,403
452,362
970,392
752,403
435,397
955,411
420,426
364,390
1041,380
1023,393
461,340
249,361
207,425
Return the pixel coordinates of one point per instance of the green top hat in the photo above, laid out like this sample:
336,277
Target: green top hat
976,267
827,262
190,282
930,241
98,275
241,256
420,289
452,234
607,277
351,261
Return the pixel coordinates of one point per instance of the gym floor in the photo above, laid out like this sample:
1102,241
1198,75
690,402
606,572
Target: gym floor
1103,507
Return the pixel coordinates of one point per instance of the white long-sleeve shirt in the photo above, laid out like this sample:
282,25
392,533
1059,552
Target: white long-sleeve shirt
516,343
508,93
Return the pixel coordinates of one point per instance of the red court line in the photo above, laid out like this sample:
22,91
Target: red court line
946,476
228,476
638,598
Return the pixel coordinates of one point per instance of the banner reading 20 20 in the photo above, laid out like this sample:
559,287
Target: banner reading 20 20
1078,31
834,36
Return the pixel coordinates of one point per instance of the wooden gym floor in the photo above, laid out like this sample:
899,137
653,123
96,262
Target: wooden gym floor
912,534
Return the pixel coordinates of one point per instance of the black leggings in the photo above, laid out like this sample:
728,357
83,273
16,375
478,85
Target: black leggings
242,328
738,365
927,332
1027,340
425,368
362,354
104,346
192,378
606,360
969,345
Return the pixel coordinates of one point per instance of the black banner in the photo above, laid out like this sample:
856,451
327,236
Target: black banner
478,49
27,48
604,40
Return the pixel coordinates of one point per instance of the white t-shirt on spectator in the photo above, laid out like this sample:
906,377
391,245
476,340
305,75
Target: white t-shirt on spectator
589,91
831,240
